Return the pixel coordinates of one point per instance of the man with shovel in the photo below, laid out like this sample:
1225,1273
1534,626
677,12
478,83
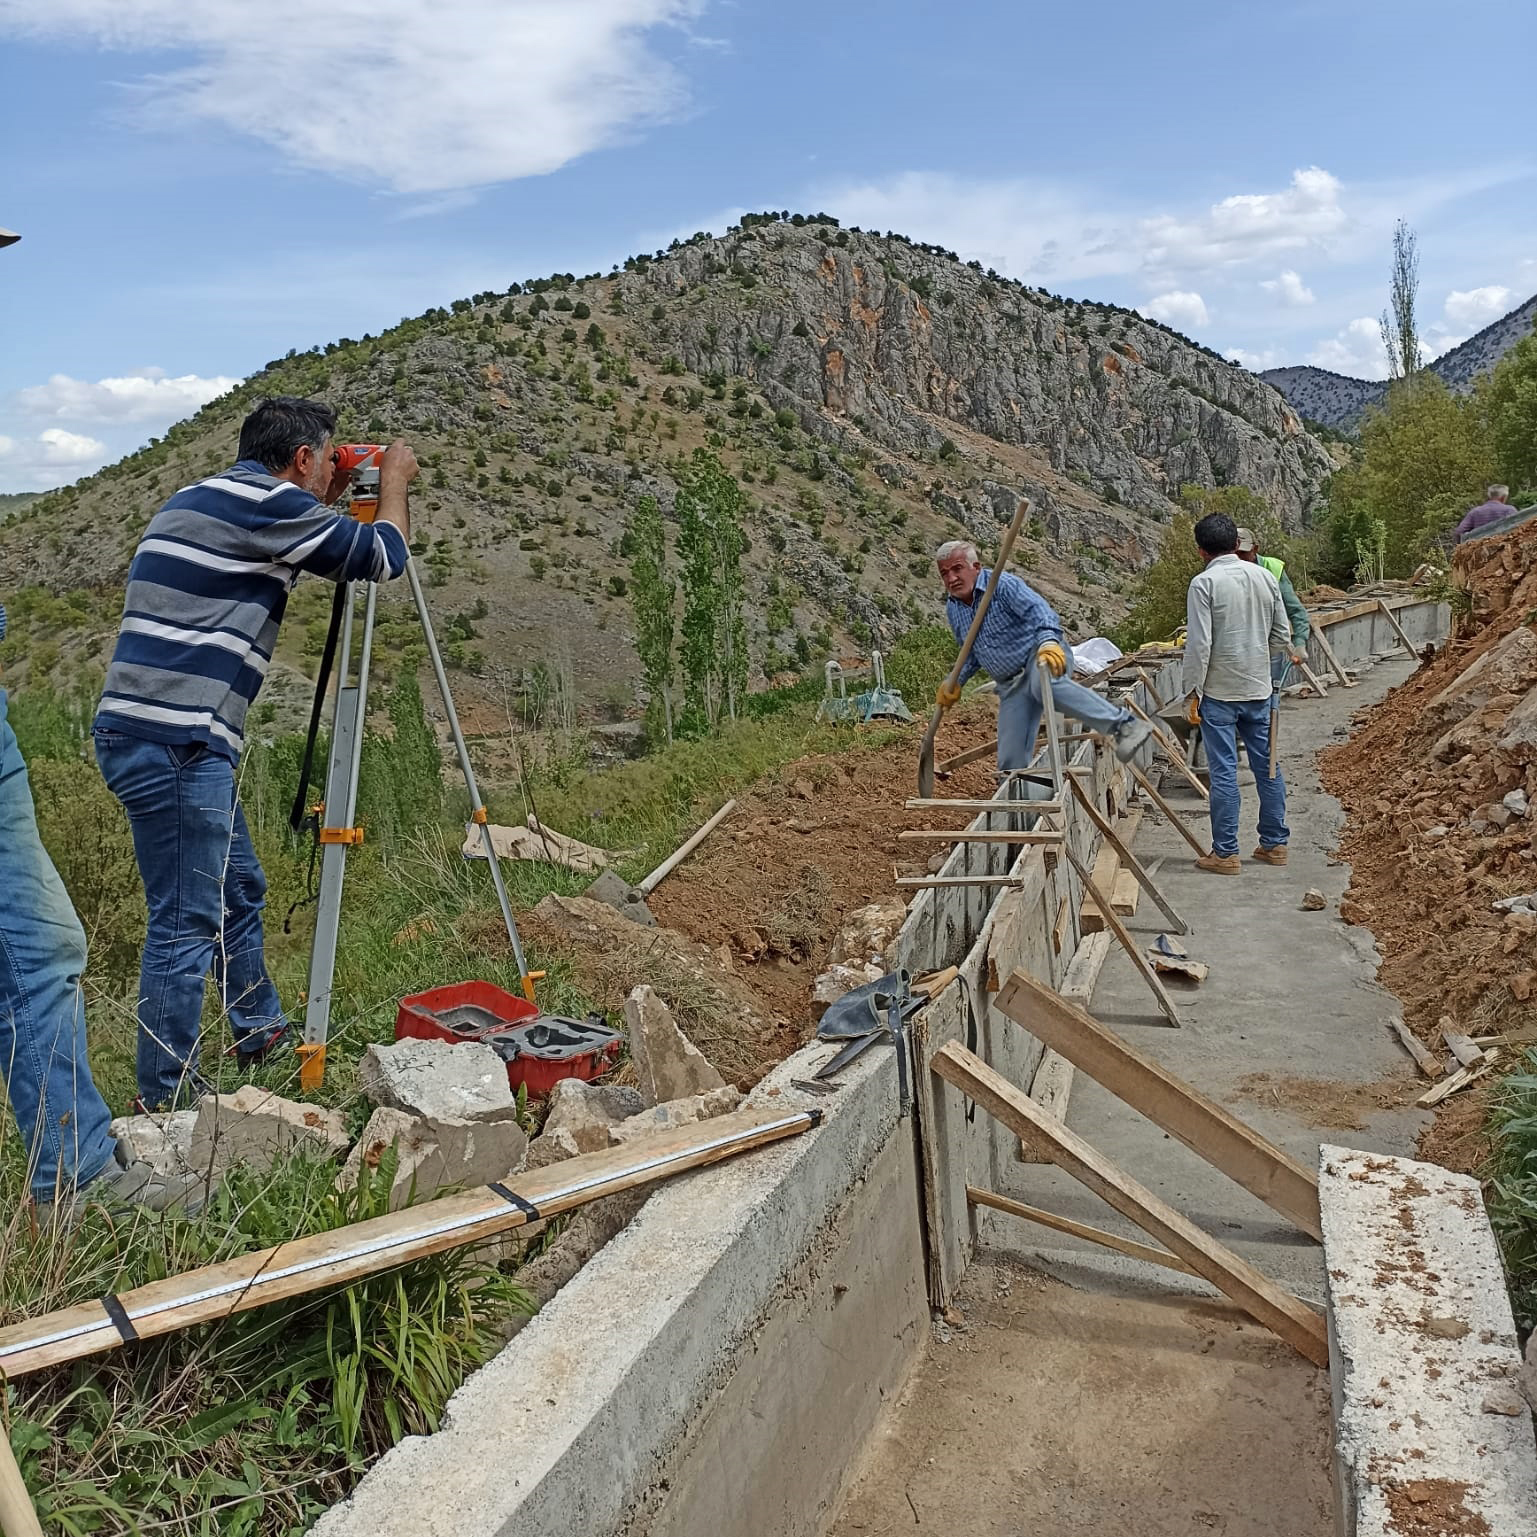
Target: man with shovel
1018,627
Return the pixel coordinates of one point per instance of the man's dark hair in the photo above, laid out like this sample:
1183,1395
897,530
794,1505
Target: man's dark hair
278,428
1217,534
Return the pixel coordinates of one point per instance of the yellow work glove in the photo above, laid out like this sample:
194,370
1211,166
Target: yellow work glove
1193,709
949,693
1054,657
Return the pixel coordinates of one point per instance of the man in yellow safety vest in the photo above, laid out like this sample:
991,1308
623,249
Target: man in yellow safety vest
1296,614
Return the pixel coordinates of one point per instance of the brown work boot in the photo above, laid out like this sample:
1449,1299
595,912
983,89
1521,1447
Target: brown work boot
1220,864
1273,856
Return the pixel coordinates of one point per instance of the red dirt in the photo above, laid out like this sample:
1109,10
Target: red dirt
803,849
1428,899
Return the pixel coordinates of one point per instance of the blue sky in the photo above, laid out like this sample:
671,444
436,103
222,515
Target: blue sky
202,186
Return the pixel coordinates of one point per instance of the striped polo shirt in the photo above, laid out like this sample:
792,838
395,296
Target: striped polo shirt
206,592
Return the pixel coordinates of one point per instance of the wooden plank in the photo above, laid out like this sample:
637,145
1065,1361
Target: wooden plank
1460,1045
1088,961
1169,813
1060,927
1127,943
1416,1049
1124,894
1122,846
364,1248
1151,685
961,759
1171,750
1127,1246
1008,807
1050,1088
1238,1151
979,835
1458,1080
1398,629
1107,866
942,882
1280,1312
1346,681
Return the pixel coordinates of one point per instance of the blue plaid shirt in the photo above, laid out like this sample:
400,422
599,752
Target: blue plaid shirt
1018,621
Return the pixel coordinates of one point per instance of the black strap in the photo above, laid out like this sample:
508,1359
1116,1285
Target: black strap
115,1310
512,1197
300,813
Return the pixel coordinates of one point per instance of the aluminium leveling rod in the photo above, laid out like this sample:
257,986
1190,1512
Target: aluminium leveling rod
341,792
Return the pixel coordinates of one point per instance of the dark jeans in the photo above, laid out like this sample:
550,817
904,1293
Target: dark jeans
205,890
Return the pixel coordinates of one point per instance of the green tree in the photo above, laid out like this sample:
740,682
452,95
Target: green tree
1424,453
710,507
653,592
1400,329
1508,401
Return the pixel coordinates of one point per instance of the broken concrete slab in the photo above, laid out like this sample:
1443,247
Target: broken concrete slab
667,1064
619,894
579,1118
676,1112
868,935
256,1127
1423,1356
435,1154
444,1080
164,1142
833,983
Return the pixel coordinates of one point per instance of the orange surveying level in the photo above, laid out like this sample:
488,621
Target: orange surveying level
361,462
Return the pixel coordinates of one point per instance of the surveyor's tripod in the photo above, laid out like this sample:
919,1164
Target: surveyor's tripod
333,818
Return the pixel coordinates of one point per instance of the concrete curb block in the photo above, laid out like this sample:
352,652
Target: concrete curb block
1429,1424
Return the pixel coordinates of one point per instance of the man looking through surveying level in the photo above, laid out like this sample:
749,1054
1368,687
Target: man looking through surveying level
1019,627
207,589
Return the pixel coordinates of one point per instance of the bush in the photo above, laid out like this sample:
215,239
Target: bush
920,662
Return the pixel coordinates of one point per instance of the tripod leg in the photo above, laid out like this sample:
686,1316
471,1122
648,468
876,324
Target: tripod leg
477,810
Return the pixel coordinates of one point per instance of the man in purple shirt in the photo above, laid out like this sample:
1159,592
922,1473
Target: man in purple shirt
1497,507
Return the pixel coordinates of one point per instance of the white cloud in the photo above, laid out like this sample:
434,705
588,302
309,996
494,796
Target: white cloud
1289,289
1474,308
1255,362
1178,308
147,395
414,97
1356,350
49,459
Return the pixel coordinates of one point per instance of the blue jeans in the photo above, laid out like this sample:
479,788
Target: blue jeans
1222,724
205,890
62,1117
1019,711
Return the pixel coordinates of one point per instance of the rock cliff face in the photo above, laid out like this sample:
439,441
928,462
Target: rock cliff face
874,397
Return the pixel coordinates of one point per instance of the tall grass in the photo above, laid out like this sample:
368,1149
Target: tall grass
1512,1187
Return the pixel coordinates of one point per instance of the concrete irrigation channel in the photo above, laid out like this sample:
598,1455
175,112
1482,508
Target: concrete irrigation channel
835,1335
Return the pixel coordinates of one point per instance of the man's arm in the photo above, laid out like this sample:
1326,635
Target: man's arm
397,469
1301,629
305,534
1197,634
1280,637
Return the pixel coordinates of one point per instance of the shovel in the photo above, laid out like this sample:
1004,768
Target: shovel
1005,549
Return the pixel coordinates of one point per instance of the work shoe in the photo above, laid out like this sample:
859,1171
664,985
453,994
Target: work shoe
125,1183
1129,736
1220,864
1271,856
253,1049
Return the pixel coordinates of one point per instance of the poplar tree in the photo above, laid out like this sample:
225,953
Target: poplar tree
652,594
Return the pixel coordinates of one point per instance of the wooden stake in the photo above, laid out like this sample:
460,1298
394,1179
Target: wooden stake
1460,1045
1181,1110
1334,662
961,759
1398,629
1261,1298
1426,1059
361,1249
1459,1080
1313,680
1169,812
932,882
1127,943
18,1517
1053,1081
1079,1229
1152,688
1007,807
1171,749
1128,859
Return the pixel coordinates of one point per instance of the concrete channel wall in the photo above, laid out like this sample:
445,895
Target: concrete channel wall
715,1370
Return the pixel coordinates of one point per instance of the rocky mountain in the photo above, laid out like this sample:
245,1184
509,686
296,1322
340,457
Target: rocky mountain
1339,401
14,501
873,396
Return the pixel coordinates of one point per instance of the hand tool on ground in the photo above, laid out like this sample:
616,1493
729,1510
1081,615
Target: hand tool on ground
1000,564
332,820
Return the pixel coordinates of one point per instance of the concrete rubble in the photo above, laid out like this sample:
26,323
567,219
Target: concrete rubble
435,1154
462,1081
164,1142
667,1064
579,1119
256,1127
675,1113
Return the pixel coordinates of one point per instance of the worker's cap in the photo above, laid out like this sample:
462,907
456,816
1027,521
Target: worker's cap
1246,541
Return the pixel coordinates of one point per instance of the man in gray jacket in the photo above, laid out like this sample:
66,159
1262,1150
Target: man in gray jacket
1234,622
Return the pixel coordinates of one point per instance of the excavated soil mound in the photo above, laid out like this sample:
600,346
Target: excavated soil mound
770,889
1440,783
